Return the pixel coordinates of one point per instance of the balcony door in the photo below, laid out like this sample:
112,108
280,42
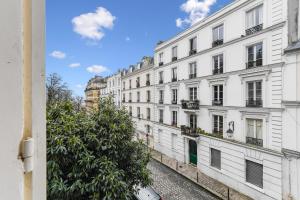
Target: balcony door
193,121
193,152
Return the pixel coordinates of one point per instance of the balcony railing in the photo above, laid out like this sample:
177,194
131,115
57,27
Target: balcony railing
255,63
254,141
148,100
174,123
217,71
139,116
174,101
217,102
129,100
217,133
161,121
254,29
191,105
148,117
138,100
192,132
123,100
191,76
160,81
192,52
174,59
147,83
254,103
217,43
161,63
138,85
174,79
161,101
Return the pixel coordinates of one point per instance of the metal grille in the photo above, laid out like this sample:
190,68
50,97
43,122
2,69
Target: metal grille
215,158
254,173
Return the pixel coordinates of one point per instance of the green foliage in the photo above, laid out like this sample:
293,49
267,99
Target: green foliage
92,156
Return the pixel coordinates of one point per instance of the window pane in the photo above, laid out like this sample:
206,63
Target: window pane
258,90
250,53
251,91
259,129
259,51
250,128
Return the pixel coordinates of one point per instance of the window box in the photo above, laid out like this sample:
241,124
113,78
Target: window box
191,76
255,63
217,43
254,29
254,103
217,133
192,52
161,82
254,141
174,59
217,71
174,79
192,132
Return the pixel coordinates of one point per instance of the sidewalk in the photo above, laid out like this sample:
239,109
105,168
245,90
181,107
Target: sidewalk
192,173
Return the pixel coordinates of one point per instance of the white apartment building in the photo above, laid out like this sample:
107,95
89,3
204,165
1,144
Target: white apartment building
113,88
138,97
227,97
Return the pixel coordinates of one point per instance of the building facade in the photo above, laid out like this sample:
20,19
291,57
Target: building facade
138,97
92,91
113,88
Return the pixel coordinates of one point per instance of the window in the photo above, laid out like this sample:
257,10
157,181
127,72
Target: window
148,79
174,74
193,121
161,77
129,84
215,160
193,46
148,130
193,94
138,82
218,64
124,85
254,20
138,110
254,132
254,173
218,124
193,70
254,53
174,96
148,113
123,97
161,96
138,97
174,53
159,136
218,95
148,96
174,118
254,92
161,59
161,116
174,140
218,35
130,110
130,97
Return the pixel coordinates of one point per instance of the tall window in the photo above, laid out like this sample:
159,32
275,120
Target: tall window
123,85
130,97
148,129
161,59
254,132
254,20
129,84
218,64
193,121
254,173
161,77
254,53
174,74
138,110
161,115
138,82
254,91
193,70
218,95
174,96
218,35
124,97
218,124
193,94
174,118
148,79
215,160
148,113
193,45
138,96
130,110
148,96
161,96
174,53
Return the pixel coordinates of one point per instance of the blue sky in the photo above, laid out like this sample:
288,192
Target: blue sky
76,48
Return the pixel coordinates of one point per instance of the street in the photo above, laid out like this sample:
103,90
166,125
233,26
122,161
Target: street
173,186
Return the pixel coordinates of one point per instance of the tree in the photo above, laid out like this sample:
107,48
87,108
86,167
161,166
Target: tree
93,156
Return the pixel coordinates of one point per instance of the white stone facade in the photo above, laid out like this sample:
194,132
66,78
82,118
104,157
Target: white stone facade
113,88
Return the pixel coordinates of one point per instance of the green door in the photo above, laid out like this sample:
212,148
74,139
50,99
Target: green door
193,152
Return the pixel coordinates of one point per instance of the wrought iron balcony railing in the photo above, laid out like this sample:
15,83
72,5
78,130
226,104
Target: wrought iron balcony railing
129,100
174,123
174,59
192,52
161,121
161,101
217,42
217,133
188,131
174,79
191,76
191,105
254,29
217,71
123,100
254,141
254,63
147,83
161,81
174,101
161,63
217,102
254,103
139,116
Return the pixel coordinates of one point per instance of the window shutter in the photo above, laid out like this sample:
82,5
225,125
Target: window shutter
216,158
254,173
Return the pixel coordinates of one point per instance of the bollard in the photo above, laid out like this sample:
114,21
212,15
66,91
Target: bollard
176,165
161,158
228,197
197,177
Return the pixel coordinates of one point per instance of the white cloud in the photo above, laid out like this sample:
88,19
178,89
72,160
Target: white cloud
91,25
196,9
127,39
96,69
58,54
74,65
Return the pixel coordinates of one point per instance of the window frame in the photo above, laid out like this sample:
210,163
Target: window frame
214,163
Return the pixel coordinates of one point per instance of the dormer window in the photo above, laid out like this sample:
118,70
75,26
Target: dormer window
193,46
254,20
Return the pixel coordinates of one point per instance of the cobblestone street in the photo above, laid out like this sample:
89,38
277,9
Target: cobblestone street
172,186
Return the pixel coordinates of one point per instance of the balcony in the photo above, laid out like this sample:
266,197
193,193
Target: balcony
217,71
174,79
174,123
192,132
161,121
160,82
161,101
254,29
217,102
255,63
148,83
190,105
137,85
174,102
217,43
123,101
254,141
217,133
160,63
192,52
174,59
254,103
191,76
129,100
